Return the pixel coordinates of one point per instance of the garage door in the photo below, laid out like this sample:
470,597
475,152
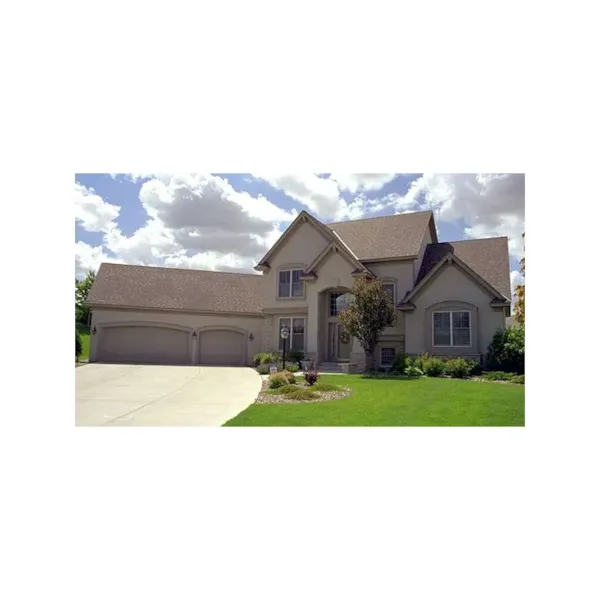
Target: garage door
139,344
222,348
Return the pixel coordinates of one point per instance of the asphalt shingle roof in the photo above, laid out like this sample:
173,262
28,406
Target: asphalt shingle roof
488,257
384,237
176,289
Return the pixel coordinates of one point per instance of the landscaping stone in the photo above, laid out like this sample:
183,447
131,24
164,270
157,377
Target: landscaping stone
282,399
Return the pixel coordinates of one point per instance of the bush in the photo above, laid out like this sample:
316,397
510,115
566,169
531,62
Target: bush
400,363
311,377
433,367
476,368
412,371
289,366
284,389
294,356
507,350
78,344
302,394
518,379
417,361
326,387
457,367
497,375
280,379
263,369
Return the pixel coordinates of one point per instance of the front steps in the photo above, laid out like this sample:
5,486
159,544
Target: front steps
334,367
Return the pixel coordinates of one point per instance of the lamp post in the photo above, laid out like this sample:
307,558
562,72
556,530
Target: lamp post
285,333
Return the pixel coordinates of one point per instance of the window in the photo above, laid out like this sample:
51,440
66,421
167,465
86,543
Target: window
290,284
389,288
296,327
452,328
338,301
387,356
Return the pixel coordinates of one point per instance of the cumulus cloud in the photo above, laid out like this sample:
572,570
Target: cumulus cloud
193,221
91,211
516,278
356,182
490,204
89,258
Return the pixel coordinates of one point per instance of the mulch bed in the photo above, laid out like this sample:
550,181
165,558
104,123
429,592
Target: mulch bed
282,399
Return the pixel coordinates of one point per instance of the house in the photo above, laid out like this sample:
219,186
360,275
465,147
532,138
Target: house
450,297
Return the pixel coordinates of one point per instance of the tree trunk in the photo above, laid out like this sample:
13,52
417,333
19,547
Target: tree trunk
368,361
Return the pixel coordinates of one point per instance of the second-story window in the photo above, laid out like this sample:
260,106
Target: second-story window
290,284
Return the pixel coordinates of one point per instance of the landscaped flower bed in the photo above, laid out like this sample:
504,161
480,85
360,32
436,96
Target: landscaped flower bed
283,388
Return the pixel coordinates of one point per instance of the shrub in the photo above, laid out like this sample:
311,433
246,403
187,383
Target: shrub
294,356
418,361
457,367
433,367
78,344
400,363
311,377
326,387
280,379
412,371
518,379
476,368
289,366
269,358
284,389
507,350
302,394
263,369
497,375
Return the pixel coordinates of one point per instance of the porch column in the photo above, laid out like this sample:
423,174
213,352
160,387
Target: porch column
312,325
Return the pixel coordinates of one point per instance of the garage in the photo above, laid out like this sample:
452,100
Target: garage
145,344
221,348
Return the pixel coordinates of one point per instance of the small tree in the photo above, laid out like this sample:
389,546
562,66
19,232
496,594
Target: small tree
520,294
369,312
82,289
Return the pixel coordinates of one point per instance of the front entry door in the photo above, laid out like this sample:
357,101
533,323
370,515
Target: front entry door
340,345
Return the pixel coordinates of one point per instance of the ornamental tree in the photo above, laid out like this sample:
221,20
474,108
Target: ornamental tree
520,294
370,311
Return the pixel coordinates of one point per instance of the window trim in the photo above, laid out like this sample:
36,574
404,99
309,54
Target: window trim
381,355
291,318
452,345
290,270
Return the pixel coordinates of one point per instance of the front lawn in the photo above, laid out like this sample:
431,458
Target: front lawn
85,342
389,402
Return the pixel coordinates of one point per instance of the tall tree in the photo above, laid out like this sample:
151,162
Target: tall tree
369,312
520,293
82,289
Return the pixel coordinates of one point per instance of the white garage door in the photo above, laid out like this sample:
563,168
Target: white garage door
221,347
144,344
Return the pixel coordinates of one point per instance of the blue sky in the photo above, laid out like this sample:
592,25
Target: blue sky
226,221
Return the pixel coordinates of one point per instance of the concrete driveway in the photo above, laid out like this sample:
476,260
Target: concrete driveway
160,395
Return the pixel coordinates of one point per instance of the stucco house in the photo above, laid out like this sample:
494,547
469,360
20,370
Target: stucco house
450,297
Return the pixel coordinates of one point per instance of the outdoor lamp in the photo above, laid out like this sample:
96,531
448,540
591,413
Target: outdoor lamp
285,333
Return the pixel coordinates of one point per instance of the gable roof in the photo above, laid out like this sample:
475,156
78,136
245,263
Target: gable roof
303,217
487,257
165,288
394,236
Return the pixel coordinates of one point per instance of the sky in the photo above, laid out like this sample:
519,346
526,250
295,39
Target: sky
227,222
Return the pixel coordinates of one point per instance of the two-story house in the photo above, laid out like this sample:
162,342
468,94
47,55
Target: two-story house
450,297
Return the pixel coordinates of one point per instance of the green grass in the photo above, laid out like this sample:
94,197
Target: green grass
409,402
85,342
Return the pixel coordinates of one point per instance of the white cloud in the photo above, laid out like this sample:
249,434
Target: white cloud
356,182
320,195
515,279
89,258
194,221
91,211
490,204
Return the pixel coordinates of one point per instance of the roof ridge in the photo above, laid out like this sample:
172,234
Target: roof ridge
496,237
164,268
416,212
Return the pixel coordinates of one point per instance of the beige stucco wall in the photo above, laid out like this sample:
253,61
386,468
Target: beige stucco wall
298,251
452,289
250,324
